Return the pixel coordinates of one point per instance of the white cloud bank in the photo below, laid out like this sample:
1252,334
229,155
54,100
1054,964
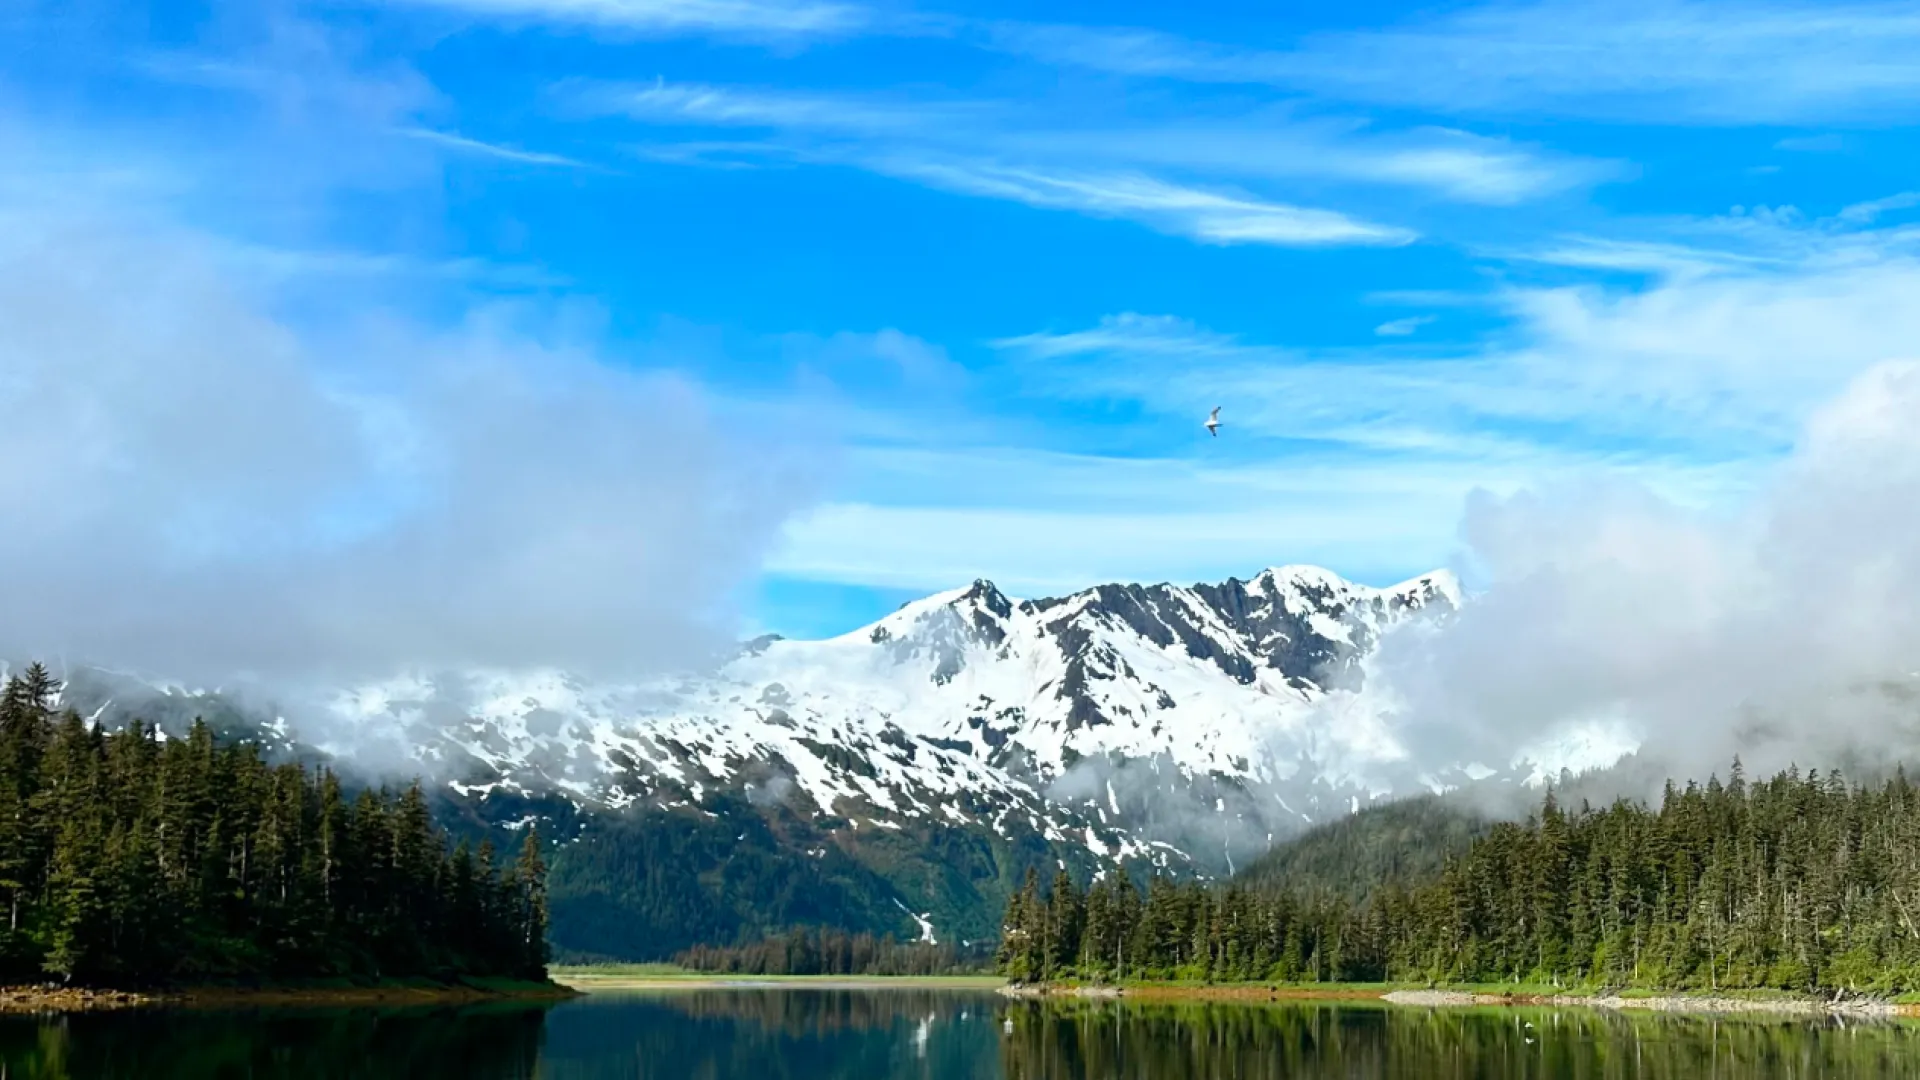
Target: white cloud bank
198,489
1786,633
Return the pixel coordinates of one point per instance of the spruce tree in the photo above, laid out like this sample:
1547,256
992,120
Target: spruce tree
531,874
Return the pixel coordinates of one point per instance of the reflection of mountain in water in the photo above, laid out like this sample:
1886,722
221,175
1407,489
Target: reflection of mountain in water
786,1034
817,1034
802,1012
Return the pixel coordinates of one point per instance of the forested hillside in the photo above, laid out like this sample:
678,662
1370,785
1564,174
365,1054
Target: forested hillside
835,952
129,858
1799,882
1395,843
646,886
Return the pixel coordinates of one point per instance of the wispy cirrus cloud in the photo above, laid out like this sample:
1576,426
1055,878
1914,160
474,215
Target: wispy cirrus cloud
1215,217
1272,145
783,18
1863,213
792,110
1659,61
1402,327
968,148
1830,143
1265,145
1716,358
1213,179
1758,242
1694,387
454,141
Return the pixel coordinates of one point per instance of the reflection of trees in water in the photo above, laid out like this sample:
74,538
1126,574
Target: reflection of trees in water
799,1012
913,1035
788,1034
1218,1041
366,1044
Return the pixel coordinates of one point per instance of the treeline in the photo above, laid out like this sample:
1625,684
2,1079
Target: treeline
1801,882
834,952
130,858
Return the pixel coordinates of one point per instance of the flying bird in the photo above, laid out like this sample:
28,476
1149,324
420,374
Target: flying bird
1213,422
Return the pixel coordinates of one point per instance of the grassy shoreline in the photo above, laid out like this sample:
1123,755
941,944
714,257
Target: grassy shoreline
309,993
590,978
570,981
657,977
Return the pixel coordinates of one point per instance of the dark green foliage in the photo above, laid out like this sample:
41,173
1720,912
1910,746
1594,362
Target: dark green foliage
491,1043
128,859
646,886
1395,843
1796,883
834,952
649,883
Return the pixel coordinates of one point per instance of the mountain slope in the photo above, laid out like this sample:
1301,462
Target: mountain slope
1403,842
901,778
944,748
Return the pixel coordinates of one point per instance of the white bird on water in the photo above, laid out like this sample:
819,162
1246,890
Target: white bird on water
1213,422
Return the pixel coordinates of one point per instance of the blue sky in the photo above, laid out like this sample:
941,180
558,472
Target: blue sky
973,274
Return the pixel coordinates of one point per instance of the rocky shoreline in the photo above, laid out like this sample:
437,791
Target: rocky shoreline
39,999
64,999
1847,1007
1676,1003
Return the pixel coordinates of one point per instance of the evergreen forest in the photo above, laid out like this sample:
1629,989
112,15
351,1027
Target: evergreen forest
1800,882
128,858
821,951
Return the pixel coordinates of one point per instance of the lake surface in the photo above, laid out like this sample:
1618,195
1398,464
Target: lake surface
813,1034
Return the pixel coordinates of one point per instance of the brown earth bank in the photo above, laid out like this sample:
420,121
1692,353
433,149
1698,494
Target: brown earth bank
1678,1003
55,998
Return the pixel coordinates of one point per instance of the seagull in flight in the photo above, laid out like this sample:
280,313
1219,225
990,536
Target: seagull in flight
1213,422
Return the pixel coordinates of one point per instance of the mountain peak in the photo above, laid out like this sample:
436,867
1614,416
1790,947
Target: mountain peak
1304,574
759,644
988,596
1439,584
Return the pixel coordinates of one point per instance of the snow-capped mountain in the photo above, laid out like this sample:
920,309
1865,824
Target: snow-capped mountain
969,706
1181,726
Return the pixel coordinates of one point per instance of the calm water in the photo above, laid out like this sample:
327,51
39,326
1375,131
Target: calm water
864,1035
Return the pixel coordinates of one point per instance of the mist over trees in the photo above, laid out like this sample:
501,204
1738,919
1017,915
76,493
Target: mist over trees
129,858
1799,882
